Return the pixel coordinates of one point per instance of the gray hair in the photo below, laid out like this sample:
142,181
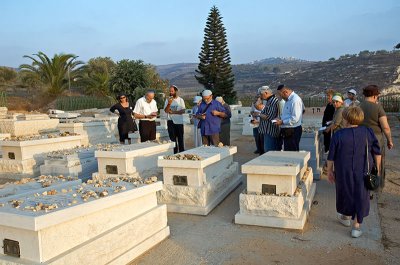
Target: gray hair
264,89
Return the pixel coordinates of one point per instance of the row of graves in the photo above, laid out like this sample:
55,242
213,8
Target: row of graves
77,200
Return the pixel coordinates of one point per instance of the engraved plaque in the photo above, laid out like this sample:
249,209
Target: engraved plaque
111,169
180,180
11,247
11,155
268,189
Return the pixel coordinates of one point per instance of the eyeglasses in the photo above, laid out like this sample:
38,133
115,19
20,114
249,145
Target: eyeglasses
122,97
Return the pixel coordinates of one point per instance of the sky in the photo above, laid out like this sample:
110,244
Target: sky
172,31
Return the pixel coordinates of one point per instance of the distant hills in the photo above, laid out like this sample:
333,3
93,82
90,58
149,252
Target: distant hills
248,77
307,78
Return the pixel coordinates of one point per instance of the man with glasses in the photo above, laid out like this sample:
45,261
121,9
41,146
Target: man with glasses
291,118
351,99
146,111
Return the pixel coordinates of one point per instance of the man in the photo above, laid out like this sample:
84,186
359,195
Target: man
351,99
290,122
210,113
146,111
174,107
270,112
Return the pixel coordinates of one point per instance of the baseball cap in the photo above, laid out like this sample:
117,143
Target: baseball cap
352,91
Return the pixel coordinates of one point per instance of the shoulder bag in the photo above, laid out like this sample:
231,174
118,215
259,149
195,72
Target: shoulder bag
371,180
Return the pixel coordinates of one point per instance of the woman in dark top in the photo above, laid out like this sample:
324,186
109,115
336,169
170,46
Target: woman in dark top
126,124
347,165
328,116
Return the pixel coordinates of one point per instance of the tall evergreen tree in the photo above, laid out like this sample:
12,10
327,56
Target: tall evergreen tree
214,70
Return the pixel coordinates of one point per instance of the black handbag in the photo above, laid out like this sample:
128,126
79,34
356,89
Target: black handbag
371,179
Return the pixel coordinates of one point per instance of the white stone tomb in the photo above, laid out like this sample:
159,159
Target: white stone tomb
76,162
279,191
136,159
97,223
24,156
198,186
27,124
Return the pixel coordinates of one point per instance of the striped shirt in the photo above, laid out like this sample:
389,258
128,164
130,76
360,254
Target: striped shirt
271,109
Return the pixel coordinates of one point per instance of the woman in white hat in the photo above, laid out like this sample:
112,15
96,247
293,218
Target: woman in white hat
196,131
337,121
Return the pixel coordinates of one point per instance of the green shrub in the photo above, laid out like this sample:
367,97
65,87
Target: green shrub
78,103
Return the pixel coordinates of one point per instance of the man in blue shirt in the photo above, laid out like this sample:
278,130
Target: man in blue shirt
291,118
210,113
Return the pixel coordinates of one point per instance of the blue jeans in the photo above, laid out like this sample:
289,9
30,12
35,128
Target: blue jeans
270,143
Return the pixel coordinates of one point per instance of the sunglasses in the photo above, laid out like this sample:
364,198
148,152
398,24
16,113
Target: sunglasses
122,97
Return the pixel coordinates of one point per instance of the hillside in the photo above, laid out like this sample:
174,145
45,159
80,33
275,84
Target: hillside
381,69
247,76
308,78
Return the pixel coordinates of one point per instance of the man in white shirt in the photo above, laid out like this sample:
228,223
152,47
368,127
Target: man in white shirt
291,117
146,111
174,107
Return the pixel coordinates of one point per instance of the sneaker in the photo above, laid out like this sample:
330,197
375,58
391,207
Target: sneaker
356,232
343,220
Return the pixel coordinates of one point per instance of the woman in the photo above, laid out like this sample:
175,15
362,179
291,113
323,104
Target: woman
328,117
225,134
126,124
256,108
347,166
196,130
375,118
337,121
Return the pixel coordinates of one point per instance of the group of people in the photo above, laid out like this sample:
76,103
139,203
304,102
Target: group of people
354,141
211,118
277,119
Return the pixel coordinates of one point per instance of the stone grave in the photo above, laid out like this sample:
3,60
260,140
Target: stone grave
77,162
98,222
247,126
197,180
138,159
279,192
313,142
94,131
27,124
23,155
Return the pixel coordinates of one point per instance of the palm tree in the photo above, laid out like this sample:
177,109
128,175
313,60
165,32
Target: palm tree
96,83
55,73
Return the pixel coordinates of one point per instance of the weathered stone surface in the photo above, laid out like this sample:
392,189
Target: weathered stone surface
277,206
26,127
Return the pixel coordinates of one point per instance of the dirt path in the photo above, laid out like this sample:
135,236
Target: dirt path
389,199
215,239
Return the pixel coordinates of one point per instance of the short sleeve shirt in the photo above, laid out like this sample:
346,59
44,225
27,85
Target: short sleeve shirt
372,113
145,108
177,104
